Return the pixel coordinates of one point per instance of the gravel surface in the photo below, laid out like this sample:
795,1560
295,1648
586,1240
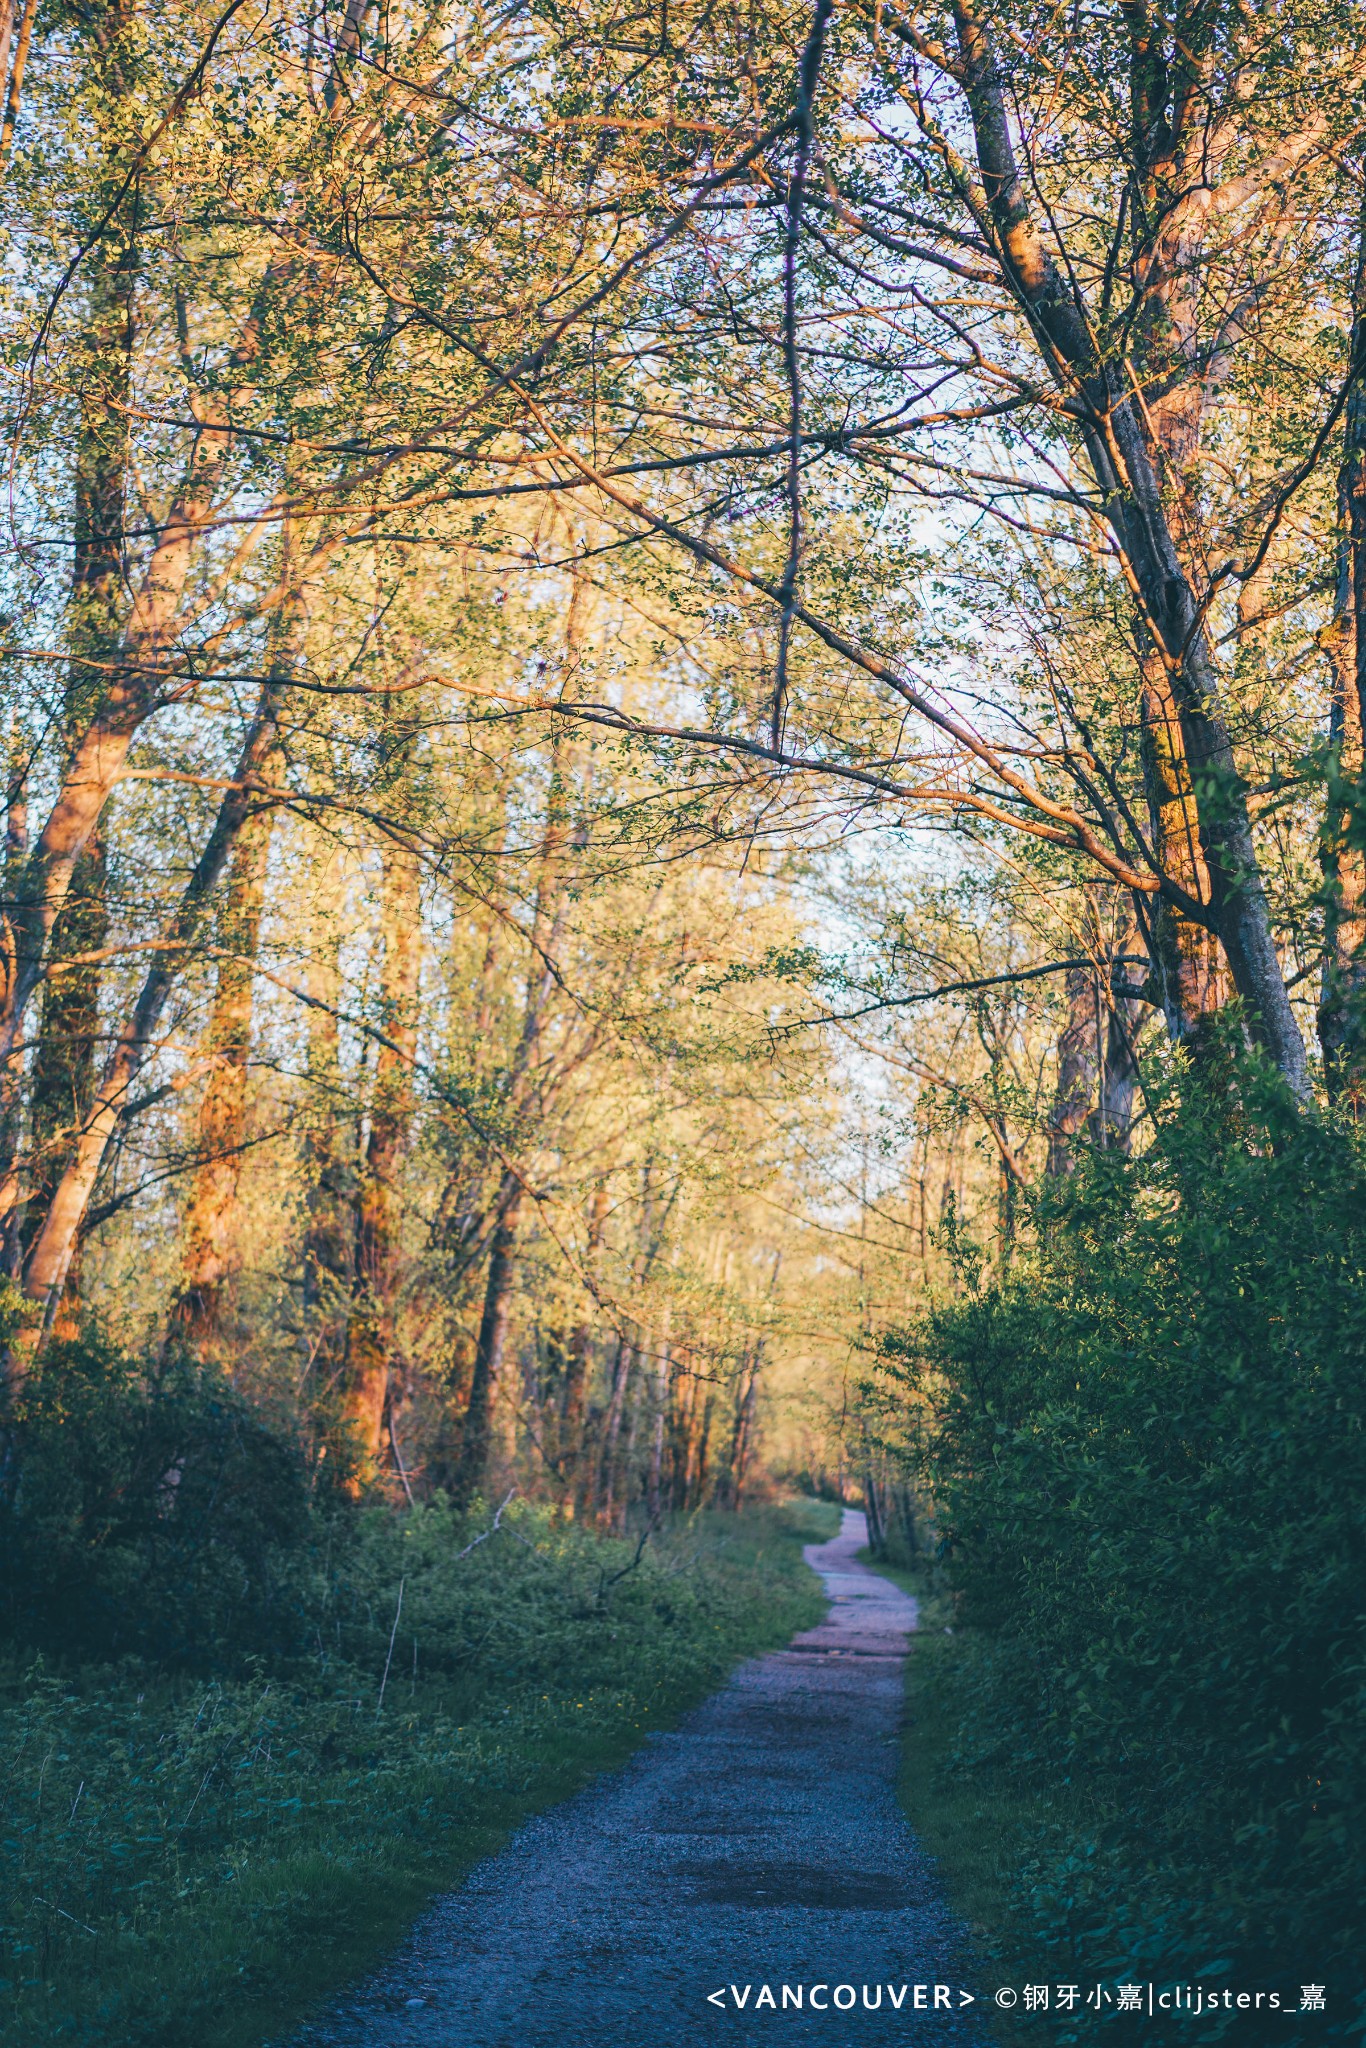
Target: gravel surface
759,1845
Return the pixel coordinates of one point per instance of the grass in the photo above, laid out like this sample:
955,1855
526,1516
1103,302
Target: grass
204,1859
977,1807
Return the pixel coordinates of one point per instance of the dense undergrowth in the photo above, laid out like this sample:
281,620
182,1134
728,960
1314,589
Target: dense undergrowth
1148,1446
302,1718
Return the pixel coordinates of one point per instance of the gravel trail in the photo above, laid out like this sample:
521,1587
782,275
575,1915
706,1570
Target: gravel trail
760,1844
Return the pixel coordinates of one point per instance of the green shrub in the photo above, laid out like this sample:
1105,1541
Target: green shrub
150,1512
1148,1449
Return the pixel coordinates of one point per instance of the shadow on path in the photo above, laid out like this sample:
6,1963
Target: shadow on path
760,1844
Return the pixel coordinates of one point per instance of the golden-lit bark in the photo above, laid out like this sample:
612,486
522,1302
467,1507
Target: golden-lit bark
211,1231
1188,961
1194,754
65,1067
1342,1002
12,1103
49,1258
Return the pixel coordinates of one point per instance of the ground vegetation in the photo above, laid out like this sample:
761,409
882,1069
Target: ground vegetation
682,708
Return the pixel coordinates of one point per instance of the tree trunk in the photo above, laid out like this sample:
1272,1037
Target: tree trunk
701,1463
741,1441
744,1436
606,1488
1007,1190
370,1337
210,1232
1342,1004
329,1236
905,1510
580,1344
98,758
1096,1071
49,1258
1127,464
877,1533
659,1422
64,1076
1189,968
686,1406
477,1440
476,1443
11,1097
129,692
1078,1066
636,1395
211,1229
1111,1124
15,89
6,37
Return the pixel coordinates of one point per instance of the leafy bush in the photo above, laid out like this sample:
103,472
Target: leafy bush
150,1512
1148,1447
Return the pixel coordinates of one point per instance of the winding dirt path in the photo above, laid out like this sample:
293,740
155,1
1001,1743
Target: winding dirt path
755,1852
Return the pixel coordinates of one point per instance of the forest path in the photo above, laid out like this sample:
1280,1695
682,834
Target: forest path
760,1843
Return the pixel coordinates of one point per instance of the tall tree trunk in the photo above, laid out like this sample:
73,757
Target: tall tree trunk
606,1482
48,1261
6,37
329,1234
686,1403
11,1075
211,1231
476,1443
877,1528
742,1439
65,1075
130,690
91,773
1111,1125
1094,1092
1078,1065
700,1462
580,1346
63,1080
15,89
1007,1189
1188,963
1342,1004
628,1372
636,1397
1128,464
370,1337
658,1423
